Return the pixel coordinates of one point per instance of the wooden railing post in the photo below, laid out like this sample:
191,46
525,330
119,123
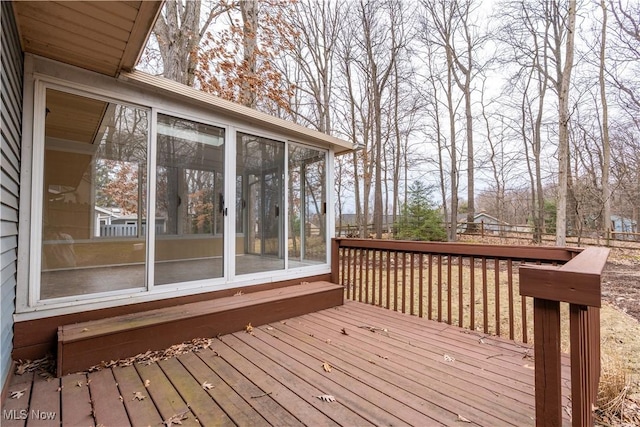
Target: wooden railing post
578,283
335,260
548,380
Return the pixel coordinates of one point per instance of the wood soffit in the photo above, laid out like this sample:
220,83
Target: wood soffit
102,36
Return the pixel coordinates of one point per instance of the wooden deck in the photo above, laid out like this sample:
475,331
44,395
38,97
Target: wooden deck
382,368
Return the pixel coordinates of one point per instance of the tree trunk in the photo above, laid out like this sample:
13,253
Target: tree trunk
606,144
563,139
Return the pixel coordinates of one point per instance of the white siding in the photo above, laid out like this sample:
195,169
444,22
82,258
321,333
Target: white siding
10,132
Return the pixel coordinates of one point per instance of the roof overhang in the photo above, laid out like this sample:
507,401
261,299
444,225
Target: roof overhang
236,111
102,36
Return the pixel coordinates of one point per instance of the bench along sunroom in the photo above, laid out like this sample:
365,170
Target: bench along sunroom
144,193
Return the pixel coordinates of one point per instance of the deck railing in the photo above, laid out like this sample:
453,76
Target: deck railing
511,291
577,283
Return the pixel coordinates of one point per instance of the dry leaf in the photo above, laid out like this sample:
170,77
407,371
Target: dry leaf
60,388
176,419
79,384
249,329
304,283
18,394
344,331
85,330
328,341
121,398
463,419
138,395
237,294
207,386
269,328
326,367
529,367
147,383
448,358
22,368
326,398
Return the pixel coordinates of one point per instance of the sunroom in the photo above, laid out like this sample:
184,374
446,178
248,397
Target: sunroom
236,197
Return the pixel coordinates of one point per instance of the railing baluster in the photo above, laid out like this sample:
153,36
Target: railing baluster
360,276
449,288
430,300
460,293
412,296
496,272
348,273
388,278
366,276
485,297
395,281
421,285
381,284
439,288
510,284
373,277
404,281
472,293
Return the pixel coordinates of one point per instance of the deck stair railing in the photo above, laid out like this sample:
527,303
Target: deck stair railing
510,291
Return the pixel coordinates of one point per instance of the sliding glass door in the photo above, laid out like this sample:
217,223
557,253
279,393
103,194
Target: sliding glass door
260,193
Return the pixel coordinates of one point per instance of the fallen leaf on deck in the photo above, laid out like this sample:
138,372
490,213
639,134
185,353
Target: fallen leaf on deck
60,388
326,398
85,330
237,294
79,384
18,394
448,358
269,328
147,383
529,367
22,368
326,367
328,341
121,398
249,329
463,419
138,395
176,419
344,331
207,386
304,283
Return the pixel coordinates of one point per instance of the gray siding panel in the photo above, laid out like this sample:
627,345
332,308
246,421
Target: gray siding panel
10,139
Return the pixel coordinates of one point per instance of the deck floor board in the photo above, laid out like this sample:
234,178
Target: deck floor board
388,369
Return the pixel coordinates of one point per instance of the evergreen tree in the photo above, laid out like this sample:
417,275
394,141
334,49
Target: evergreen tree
419,219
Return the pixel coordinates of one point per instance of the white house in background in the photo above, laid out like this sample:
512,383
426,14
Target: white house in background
489,223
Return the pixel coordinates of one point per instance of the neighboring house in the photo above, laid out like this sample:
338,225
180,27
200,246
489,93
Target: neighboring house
78,126
623,225
490,223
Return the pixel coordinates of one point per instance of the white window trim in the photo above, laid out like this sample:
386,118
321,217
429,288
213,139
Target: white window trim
41,74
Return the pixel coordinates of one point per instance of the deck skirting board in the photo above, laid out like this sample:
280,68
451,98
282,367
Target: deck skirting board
82,345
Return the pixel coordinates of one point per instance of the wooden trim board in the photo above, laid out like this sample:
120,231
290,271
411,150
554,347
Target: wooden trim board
86,344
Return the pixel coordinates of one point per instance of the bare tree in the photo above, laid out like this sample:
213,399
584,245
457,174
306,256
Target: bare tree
563,135
179,31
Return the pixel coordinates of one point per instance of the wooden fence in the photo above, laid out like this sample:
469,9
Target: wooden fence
512,291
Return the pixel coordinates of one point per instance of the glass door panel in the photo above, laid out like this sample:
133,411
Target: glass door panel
189,242
260,197
307,206
94,196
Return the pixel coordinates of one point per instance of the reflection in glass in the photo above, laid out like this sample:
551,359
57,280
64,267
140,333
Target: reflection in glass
189,201
307,206
260,200
94,198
